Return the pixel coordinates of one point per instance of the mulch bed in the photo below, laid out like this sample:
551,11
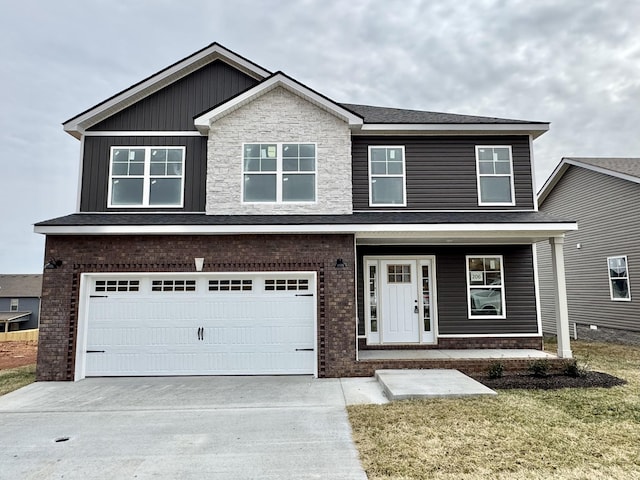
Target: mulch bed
550,382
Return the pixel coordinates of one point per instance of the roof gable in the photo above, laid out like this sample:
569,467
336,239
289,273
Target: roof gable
278,79
16,286
625,168
76,125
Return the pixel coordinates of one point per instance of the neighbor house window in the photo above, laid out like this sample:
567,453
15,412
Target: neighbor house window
485,286
279,172
619,278
146,177
387,176
494,168
14,305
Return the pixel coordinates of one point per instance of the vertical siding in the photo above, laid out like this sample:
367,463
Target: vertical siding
606,209
175,106
95,173
441,171
452,287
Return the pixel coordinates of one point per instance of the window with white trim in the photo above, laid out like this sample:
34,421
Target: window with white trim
619,278
146,177
117,285
485,286
14,305
387,176
494,167
279,172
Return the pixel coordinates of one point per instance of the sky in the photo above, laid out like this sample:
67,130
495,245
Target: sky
574,63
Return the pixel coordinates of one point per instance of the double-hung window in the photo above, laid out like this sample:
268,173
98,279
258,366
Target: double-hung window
494,167
387,176
14,304
619,278
279,172
146,177
485,286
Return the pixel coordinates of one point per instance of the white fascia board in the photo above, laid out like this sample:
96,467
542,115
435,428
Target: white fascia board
204,121
533,129
77,125
440,230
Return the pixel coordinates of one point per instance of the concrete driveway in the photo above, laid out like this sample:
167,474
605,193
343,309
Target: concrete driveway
178,428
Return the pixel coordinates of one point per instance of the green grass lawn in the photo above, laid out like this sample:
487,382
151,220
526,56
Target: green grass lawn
519,434
15,378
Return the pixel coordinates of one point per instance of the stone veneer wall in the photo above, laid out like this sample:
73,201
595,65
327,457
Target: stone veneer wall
279,116
147,253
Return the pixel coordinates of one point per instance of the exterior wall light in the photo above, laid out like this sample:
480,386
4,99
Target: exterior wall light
340,263
53,263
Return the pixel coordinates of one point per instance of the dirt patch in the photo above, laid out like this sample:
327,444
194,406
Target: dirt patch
549,382
17,354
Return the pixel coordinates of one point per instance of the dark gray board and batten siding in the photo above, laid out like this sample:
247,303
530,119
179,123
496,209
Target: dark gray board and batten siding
452,287
174,107
606,209
95,172
441,171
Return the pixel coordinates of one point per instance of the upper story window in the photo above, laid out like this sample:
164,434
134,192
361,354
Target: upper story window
279,172
146,177
387,176
14,304
494,167
485,286
619,278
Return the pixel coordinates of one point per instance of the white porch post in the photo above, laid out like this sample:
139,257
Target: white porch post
560,293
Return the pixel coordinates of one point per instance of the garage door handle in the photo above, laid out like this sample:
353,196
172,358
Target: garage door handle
304,294
304,349
95,351
200,333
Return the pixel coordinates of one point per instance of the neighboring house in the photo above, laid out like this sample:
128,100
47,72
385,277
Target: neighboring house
602,258
234,221
19,302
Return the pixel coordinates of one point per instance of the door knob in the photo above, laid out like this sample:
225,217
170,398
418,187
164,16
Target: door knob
415,307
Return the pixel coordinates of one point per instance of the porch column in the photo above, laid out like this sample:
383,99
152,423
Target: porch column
560,293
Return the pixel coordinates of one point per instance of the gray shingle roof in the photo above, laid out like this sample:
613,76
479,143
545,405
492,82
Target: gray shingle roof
359,218
627,166
16,286
396,115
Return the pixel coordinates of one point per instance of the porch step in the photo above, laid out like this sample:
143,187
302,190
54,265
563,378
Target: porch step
451,354
430,383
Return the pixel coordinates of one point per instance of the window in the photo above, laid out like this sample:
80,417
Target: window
291,284
14,305
146,177
232,285
485,287
279,172
495,175
117,285
386,176
173,286
619,278
398,273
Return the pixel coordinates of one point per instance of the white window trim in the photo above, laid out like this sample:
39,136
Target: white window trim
502,287
626,262
279,173
146,176
511,175
14,305
403,176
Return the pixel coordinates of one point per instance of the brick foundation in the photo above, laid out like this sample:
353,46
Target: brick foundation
533,342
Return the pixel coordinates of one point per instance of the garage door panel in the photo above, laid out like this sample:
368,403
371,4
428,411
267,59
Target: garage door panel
201,332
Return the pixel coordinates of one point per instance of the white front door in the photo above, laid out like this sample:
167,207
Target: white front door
400,303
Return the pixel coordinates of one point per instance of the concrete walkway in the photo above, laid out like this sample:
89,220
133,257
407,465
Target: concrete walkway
179,428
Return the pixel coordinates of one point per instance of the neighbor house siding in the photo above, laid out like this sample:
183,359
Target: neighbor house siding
606,209
25,304
175,106
441,171
279,116
452,287
95,171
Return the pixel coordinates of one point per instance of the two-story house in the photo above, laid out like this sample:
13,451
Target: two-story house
235,221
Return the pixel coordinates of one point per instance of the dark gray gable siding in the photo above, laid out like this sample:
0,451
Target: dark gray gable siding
606,209
174,107
95,174
441,171
452,287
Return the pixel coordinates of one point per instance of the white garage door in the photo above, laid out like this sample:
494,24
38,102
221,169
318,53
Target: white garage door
241,324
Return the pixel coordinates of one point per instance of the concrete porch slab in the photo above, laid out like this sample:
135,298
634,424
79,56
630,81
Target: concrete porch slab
429,383
458,354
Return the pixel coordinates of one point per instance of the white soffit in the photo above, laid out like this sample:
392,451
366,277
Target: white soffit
204,121
533,129
131,95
